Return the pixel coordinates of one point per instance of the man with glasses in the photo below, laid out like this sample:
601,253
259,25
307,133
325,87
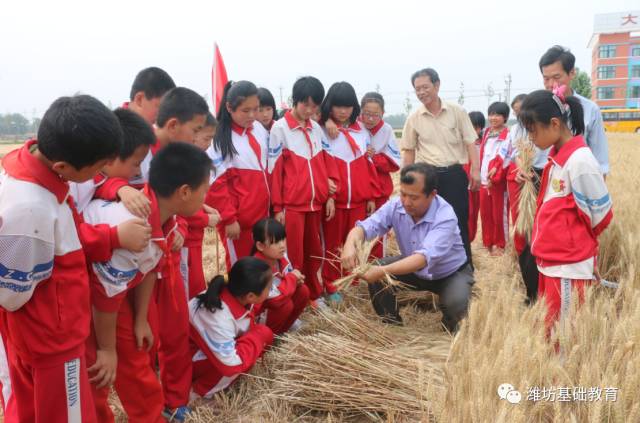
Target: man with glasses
441,134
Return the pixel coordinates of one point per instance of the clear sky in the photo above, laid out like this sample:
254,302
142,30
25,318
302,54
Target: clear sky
54,48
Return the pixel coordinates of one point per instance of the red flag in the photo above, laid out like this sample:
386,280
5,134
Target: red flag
218,78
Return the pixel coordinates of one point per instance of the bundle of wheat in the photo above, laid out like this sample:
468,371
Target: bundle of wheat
528,191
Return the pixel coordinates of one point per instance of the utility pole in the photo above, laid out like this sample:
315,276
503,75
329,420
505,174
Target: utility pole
280,88
489,92
507,89
378,88
461,96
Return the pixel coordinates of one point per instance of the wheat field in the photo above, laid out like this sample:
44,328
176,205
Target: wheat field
455,379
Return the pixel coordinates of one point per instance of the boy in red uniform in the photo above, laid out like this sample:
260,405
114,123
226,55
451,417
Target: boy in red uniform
122,287
181,116
300,181
44,288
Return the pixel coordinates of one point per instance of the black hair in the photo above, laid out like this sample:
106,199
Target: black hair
266,100
518,99
340,94
373,97
307,87
181,103
477,119
429,173
211,121
247,275
540,106
178,164
153,82
429,72
499,108
561,54
235,93
136,132
79,130
267,231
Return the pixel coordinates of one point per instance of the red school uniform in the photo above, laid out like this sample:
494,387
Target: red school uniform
574,207
240,187
493,199
169,315
358,184
225,343
386,160
44,293
287,299
300,189
111,283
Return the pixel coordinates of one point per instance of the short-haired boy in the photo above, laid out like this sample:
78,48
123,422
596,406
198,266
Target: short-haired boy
44,288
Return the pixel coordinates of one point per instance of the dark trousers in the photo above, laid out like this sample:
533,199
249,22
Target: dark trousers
453,292
529,271
453,186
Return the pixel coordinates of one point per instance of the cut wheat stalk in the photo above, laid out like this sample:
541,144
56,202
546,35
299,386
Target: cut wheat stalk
528,193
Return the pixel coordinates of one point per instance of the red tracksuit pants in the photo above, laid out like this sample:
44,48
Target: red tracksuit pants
50,393
282,311
236,248
171,327
195,272
304,247
8,403
335,233
557,294
207,375
492,215
136,383
513,189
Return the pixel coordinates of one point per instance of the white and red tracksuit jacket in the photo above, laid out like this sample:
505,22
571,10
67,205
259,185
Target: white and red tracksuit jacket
44,287
301,172
387,156
226,343
491,158
240,185
110,280
357,174
574,207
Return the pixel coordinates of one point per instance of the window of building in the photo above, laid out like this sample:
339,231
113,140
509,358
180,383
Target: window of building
635,92
605,93
606,72
607,51
635,51
635,71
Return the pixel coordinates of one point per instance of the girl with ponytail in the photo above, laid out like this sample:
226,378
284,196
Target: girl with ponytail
240,185
574,205
225,340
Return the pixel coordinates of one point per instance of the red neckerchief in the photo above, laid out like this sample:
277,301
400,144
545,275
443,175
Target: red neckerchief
294,124
159,235
23,165
125,105
277,268
352,143
376,128
237,310
253,142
